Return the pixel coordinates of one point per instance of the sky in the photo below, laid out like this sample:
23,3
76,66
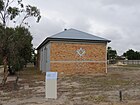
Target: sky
116,20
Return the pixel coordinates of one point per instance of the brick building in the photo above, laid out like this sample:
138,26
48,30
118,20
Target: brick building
73,51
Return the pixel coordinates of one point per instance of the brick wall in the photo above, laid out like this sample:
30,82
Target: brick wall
64,58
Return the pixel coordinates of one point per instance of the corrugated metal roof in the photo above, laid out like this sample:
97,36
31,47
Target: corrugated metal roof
73,35
76,34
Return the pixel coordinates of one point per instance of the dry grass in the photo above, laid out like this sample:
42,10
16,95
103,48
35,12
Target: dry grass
130,65
76,89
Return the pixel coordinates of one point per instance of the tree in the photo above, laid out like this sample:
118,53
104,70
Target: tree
132,55
20,49
11,13
111,55
8,12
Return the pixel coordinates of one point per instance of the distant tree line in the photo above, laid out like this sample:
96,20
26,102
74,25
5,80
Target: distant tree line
130,55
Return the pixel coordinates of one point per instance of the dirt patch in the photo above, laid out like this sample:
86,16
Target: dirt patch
75,89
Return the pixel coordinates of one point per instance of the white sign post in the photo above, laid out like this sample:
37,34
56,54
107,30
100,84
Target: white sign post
51,85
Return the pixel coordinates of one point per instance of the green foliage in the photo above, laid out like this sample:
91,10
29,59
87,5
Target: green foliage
13,12
1,36
20,48
111,54
132,55
33,11
15,43
1,5
25,47
3,39
10,12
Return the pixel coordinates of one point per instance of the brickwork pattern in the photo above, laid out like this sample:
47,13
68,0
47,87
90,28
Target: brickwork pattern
62,51
67,51
78,68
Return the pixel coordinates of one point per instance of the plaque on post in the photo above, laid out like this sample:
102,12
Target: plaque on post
51,85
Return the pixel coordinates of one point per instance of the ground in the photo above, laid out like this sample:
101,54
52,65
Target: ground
76,89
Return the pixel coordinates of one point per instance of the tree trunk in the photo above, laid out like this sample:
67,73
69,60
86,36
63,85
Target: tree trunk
5,62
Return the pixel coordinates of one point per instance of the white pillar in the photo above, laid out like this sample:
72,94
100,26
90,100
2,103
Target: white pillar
51,85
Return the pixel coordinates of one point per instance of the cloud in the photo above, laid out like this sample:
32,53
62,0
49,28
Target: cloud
45,28
117,20
121,2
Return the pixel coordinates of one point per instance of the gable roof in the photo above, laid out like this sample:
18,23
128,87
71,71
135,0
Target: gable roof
73,35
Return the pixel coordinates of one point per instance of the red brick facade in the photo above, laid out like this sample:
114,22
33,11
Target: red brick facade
64,57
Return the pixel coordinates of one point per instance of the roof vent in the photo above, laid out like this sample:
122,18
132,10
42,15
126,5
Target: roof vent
65,29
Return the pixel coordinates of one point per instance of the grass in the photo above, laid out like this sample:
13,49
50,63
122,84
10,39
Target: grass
95,99
103,82
32,74
130,65
88,88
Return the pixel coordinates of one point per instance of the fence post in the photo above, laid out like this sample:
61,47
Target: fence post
120,95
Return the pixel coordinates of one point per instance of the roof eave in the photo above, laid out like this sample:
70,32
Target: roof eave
71,40
78,40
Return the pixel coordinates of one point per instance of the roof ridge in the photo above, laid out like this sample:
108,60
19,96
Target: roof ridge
88,34
73,35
